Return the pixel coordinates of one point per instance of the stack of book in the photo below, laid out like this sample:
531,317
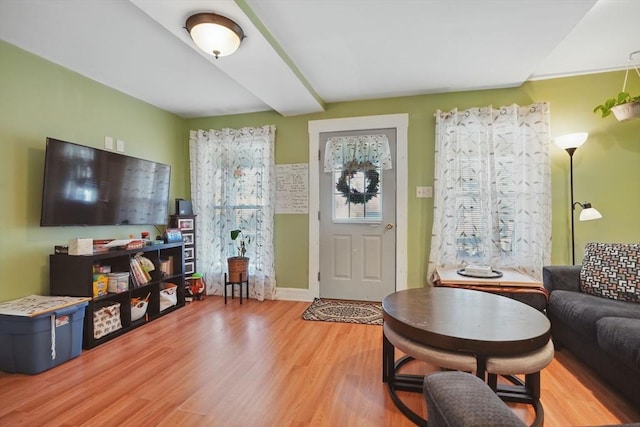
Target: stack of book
140,268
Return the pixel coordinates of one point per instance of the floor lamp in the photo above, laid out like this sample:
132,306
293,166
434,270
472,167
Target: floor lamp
570,144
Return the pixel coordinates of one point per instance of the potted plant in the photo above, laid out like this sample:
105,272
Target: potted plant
239,265
624,107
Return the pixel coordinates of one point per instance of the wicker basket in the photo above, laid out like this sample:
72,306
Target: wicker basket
628,111
238,269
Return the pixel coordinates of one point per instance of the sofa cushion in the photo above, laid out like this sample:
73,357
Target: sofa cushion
620,337
610,270
581,311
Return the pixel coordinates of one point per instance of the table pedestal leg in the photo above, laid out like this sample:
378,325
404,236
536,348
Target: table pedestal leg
527,391
401,382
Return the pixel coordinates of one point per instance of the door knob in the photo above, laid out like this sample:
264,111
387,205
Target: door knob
389,226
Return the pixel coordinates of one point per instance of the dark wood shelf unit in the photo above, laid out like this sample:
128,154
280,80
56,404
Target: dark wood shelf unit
73,276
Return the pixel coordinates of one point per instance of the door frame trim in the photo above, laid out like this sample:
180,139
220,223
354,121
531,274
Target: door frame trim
401,123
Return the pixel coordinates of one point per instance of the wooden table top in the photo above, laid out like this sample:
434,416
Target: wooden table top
468,321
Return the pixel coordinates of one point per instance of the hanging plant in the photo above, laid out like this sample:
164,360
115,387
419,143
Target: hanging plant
372,180
624,106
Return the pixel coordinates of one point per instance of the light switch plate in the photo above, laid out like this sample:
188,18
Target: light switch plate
424,192
108,143
120,145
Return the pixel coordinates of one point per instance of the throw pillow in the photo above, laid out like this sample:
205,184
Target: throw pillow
611,270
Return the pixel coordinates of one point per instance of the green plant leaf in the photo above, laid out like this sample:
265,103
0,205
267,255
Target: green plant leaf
623,97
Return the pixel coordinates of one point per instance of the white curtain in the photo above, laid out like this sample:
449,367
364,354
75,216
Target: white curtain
492,189
233,187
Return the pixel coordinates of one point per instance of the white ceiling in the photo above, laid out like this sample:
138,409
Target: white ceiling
301,54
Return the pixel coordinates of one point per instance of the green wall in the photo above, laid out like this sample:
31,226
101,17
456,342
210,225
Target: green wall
606,168
40,99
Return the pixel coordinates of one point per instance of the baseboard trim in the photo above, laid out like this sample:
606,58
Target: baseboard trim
293,294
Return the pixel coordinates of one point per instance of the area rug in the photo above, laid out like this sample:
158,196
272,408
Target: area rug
327,310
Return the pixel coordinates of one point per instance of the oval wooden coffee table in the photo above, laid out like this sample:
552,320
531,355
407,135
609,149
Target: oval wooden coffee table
461,321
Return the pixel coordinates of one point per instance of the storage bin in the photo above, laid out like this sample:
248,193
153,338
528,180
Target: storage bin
106,319
118,282
168,295
138,309
31,345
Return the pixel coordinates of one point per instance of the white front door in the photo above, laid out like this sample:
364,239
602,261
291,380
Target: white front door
357,226
399,122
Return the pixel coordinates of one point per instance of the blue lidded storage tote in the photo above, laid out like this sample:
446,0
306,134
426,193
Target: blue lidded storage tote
38,332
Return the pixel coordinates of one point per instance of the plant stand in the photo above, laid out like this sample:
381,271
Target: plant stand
244,280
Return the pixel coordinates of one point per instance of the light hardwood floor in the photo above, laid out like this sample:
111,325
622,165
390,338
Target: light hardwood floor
258,364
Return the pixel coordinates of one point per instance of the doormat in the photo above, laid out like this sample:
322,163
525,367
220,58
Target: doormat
368,313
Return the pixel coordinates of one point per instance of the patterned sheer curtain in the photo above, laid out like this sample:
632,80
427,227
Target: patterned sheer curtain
233,187
492,198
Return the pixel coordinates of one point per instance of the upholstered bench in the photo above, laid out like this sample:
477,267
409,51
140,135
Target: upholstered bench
528,364
462,399
413,350
431,355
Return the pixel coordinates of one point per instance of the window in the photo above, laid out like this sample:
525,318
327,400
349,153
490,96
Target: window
233,187
356,163
358,195
492,188
474,225
241,196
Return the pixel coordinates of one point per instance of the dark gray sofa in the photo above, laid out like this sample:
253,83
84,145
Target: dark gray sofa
604,333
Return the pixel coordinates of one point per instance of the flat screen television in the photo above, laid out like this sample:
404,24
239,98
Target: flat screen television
87,186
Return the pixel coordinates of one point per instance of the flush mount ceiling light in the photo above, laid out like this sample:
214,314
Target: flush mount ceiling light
214,34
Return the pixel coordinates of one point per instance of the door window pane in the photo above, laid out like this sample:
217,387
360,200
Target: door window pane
357,195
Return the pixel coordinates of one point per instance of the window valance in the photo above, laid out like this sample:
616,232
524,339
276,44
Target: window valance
360,149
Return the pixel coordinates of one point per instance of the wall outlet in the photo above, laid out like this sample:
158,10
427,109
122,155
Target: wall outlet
424,192
120,145
108,143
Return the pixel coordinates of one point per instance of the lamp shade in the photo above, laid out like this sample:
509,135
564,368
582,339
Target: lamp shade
572,140
588,213
214,34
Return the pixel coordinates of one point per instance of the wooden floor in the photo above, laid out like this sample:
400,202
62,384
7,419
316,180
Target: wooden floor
258,364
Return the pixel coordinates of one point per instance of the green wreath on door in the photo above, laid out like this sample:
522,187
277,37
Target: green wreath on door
372,177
